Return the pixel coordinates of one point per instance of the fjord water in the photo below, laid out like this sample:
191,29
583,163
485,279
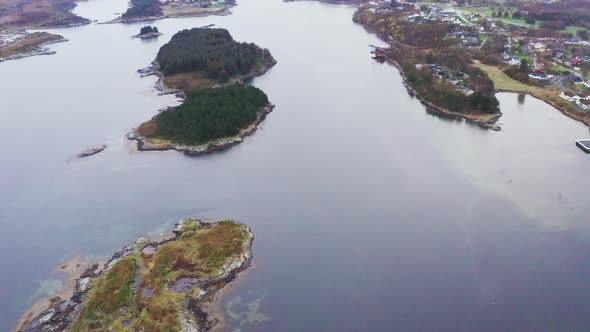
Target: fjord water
369,213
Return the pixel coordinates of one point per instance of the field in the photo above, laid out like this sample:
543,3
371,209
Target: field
487,11
189,81
503,81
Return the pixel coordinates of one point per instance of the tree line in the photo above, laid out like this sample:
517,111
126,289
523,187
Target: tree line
211,50
212,113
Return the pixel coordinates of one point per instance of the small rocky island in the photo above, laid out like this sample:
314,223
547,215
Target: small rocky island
153,285
91,150
207,68
148,32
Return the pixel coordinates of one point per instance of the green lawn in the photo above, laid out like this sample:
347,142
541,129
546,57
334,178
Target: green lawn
572,29
485,11
503,81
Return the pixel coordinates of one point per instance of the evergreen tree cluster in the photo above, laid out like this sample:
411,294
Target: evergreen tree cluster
212,113
148,29
143,8
211,50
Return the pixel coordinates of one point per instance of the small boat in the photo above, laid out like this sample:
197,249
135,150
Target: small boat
584,144
378,54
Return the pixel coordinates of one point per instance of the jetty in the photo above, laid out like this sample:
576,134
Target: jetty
584,144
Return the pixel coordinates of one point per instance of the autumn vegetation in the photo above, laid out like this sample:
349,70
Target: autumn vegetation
134,296
420,44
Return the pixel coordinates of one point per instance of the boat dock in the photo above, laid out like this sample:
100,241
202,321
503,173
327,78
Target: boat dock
584,144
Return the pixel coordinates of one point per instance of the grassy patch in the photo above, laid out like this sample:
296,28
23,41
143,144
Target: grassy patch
503,81
113,295
189,81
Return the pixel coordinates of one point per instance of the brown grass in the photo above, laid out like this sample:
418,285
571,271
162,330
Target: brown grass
189,81
149,129
27,43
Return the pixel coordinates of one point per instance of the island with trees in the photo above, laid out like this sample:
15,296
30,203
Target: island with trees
152,285
18,15
148,32
140,10
207,68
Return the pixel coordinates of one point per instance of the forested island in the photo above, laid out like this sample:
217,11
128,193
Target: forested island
208,68
164,285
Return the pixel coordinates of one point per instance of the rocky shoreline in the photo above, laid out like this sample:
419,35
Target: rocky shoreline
40,49
60,314
157,144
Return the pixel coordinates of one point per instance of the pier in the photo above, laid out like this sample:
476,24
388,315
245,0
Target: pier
584,144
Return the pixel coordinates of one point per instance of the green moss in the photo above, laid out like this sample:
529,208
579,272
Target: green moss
112,295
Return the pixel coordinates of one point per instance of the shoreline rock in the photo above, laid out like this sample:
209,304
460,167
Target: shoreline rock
61,313
149,35
40,49
91,150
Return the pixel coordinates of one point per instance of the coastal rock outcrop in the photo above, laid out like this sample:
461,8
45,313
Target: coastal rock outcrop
91,150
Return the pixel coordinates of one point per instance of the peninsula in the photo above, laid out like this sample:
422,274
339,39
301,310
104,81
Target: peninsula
163,285
208,69
433,69
21,45
454,56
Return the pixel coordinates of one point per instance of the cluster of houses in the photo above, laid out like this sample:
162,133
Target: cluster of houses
456,79
468,39
582,102
436,13
468,29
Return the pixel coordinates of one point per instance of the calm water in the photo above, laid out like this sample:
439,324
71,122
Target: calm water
370,214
